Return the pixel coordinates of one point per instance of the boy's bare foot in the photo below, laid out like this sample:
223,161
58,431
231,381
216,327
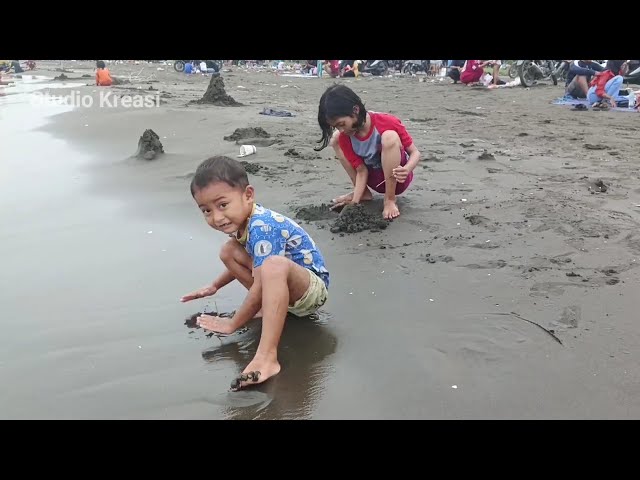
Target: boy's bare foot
256,372
390,210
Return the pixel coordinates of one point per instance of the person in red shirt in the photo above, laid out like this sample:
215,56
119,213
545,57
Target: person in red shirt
332,67
103,77
471,72
606,84
374,148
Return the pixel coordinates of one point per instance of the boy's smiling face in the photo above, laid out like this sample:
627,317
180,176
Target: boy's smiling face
225,208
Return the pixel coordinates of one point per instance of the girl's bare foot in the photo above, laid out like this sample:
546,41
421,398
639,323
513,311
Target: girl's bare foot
258,371
390,210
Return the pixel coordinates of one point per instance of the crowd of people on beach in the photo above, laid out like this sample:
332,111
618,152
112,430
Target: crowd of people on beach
600,85
598,82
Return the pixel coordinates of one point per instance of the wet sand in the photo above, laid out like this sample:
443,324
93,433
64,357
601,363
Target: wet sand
94,328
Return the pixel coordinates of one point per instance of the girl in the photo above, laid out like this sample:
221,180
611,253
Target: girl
375,149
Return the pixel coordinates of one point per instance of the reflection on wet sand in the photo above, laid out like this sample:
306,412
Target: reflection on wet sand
305,345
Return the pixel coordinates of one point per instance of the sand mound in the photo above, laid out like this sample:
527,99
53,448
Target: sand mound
217,95
356,218
149,145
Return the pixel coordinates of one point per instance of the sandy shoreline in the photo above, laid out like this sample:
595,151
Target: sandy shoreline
413,311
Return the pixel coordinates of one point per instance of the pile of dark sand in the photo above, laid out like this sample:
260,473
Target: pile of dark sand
248,132
292,152
598,186
119,81
149,145
217,95
356,218
310,213
252,167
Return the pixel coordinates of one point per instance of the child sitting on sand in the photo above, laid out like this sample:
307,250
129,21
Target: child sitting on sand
606,85
103,77
374,148
270,254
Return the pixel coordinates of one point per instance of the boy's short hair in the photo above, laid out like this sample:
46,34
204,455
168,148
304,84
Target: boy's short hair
100,64
219,169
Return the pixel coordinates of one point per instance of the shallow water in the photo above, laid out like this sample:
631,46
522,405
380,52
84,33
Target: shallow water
92,325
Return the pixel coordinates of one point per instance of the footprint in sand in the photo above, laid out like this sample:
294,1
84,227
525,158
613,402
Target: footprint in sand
489,264
571,316
485,155
437,258
590,146
477,219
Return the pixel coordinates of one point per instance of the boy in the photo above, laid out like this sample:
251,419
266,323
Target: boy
270,254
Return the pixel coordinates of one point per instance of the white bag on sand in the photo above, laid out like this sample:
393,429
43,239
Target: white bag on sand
487,79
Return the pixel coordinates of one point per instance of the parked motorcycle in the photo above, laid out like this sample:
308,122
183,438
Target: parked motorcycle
633,75
562,70
179,65
415,66
396,64
375,67
532,71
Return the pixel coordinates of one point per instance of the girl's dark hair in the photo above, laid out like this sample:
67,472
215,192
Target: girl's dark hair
338,101
100,64
614,65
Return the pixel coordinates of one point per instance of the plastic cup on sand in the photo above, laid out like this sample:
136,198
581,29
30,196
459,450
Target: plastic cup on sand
247,150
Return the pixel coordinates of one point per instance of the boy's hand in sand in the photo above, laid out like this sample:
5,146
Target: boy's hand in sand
215,324
400,174
203,292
